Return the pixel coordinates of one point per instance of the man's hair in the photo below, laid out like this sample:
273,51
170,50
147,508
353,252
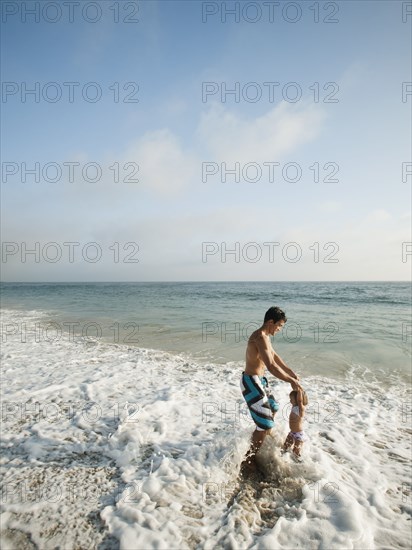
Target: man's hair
275,314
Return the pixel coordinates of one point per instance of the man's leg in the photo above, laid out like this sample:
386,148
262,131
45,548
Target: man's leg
249,463
251,388
258,437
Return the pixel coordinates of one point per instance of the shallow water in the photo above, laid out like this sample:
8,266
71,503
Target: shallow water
107,445
331,328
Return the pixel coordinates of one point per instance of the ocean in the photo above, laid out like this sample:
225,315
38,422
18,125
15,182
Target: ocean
331,328
124,425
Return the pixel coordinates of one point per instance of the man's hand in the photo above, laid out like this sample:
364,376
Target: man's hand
296,386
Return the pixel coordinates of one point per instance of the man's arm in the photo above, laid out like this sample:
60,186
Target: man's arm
266,354
280,362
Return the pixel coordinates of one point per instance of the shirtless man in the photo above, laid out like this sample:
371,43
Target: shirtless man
254,385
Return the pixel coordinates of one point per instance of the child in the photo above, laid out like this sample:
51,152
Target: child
296,437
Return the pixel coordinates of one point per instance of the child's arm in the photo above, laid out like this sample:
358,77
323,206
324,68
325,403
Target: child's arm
300,401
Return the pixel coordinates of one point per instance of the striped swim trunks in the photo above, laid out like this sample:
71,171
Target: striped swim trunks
261,404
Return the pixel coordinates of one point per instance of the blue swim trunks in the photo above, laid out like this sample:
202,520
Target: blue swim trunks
261,404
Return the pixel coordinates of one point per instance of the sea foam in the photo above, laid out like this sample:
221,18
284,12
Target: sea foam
117,446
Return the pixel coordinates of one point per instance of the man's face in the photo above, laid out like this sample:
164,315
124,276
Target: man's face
276,327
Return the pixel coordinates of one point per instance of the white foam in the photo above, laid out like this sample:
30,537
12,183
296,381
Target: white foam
142,446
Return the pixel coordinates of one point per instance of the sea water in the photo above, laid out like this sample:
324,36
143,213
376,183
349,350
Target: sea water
331,326
124,425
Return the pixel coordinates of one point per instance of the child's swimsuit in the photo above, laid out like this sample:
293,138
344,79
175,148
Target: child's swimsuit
299,436
261,404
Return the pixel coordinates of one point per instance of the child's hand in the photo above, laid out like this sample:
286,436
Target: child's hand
296,386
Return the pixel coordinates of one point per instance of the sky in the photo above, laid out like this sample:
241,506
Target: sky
206,141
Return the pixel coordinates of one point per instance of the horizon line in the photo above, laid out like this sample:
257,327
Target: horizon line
219,281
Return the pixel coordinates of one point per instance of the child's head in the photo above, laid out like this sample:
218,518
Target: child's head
293,396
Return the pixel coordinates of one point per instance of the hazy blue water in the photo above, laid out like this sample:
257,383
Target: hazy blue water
331,326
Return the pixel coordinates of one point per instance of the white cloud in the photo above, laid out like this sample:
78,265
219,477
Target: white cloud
230,137
166,167
163,164
378,215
